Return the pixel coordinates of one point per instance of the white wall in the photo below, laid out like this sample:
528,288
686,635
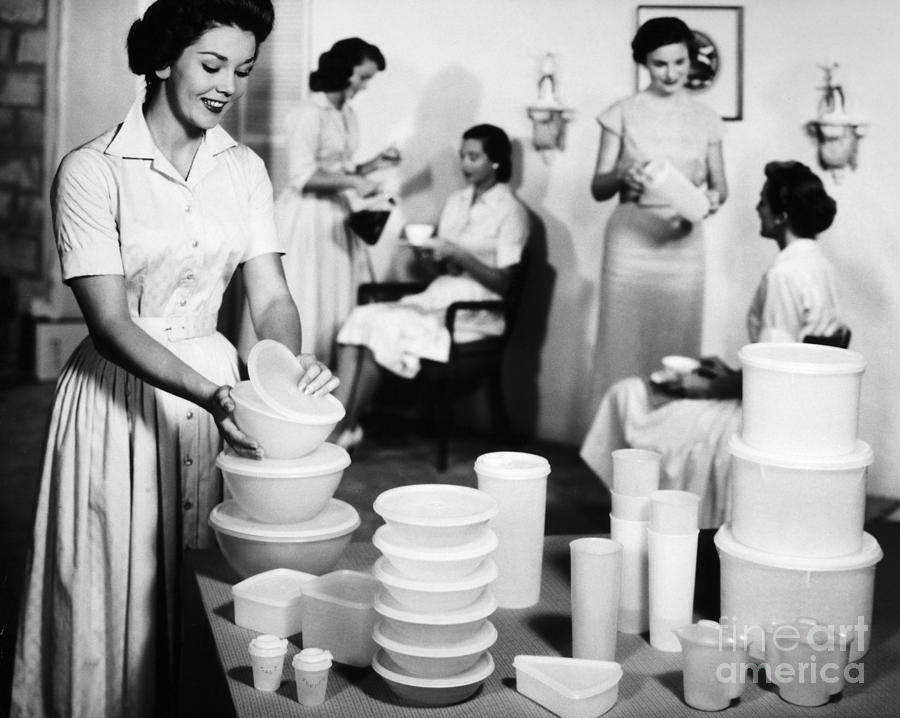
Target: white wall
452,64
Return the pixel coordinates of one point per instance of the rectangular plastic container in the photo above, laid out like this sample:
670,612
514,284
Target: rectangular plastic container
269,602
569,687
338,615
757,588
801,507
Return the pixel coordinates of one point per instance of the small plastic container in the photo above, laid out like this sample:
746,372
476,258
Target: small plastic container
435,514
811,507
338,615
569,687
435,661
757,588
800,399
435,563
434,629
432,596
267,661
433,691
284,491
311,669
630,508
269,602
313,546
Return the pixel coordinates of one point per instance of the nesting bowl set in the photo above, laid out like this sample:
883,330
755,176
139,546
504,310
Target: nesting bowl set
282,513
435,572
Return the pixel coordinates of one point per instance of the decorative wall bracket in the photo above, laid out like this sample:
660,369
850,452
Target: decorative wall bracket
548,114
836,133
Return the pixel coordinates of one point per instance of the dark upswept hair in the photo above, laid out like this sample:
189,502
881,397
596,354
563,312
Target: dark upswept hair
496,146
336,65
661,31
794,189
169,26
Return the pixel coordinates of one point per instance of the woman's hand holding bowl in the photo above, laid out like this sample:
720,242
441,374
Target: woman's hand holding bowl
317,379
221,406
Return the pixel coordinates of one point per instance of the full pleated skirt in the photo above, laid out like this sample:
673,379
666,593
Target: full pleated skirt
128,482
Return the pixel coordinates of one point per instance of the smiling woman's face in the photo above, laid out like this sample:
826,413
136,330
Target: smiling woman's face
209,76
669,66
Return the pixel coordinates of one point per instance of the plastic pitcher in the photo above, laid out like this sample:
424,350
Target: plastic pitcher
714,665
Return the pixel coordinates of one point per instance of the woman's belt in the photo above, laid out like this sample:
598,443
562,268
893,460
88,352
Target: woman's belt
177,327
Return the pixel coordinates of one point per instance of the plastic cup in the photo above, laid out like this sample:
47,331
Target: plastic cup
635,471
714,665
596,577
311,667
518,483
672,563
674,512
633,604
630,508
267,660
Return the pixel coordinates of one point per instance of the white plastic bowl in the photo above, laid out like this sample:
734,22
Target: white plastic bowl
435,563
435,514
417,234
438,628
282,491
435,661
759,587
281,436
569,687
313,546
432,596
433,691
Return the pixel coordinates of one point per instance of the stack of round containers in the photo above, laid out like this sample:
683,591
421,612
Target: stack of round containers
435,572
795,545
282,513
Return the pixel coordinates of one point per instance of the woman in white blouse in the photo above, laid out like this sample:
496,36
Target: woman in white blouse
482,231
795,299
324,261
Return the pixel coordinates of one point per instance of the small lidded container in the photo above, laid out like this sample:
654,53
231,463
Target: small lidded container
311,667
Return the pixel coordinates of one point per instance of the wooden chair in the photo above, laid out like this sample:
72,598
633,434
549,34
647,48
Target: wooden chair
469,363
840,339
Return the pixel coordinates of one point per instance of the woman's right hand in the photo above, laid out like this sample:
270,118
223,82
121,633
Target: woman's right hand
221,406
634,177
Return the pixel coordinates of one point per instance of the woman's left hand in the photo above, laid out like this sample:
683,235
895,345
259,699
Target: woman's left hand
317,379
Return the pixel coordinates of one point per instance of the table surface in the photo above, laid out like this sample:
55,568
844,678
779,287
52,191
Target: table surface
651,685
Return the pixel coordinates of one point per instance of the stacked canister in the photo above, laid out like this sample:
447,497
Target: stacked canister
795,547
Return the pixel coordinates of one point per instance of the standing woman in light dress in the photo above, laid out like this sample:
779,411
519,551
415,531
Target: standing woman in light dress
325,262
151,220
651,284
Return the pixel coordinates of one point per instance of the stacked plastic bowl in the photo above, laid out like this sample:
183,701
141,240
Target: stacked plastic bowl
435,571
282,513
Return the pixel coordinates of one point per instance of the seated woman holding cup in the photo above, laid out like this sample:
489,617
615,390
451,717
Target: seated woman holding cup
482,231
688,416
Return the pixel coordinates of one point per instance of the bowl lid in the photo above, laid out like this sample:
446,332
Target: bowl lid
274,373
800,358
336,519
385,572
861,455
387,541
481,607
387,669
436,505
512,465
481,640
869,554
327,459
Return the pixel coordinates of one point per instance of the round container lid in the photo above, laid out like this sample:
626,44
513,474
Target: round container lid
385,572
799,358
861,455
481,640
312,659
386,541
438,505
387,669
327,459
481,607
266,645
275,372
512,465
336,519
869,554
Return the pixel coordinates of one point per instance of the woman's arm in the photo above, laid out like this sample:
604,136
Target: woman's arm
324,181
497,279
389,157
717,185
610,177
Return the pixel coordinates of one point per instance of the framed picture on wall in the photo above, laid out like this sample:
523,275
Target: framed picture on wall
716,76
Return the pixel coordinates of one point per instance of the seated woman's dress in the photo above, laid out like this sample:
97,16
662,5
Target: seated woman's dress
400,334
796,298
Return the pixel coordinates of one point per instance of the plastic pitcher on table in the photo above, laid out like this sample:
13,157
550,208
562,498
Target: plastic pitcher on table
714,665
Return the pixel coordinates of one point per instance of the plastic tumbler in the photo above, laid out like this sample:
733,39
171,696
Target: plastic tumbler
635,471
311,667
267,659
518,483
596,574
672,561
634,616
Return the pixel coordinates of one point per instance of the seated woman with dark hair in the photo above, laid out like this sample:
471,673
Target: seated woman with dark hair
691,423
480,237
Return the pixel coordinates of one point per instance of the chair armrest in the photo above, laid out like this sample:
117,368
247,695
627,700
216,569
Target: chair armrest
494,305
386,291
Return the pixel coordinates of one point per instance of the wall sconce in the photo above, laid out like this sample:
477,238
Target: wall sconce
548,114
836,133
